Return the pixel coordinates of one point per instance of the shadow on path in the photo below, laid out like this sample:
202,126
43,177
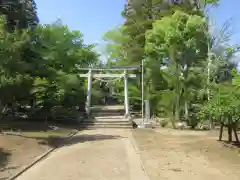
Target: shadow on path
4,158
60,142
234,144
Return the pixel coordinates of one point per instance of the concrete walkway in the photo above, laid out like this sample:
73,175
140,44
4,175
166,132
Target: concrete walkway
102,154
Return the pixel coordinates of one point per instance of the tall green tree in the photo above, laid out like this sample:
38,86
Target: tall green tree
179,40
126,44
61,52
140,14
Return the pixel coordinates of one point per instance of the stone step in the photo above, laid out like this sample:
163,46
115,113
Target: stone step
109,121
106,121
121,118
106,108
109,117
101,127
108,112
102,110
106,126
94,114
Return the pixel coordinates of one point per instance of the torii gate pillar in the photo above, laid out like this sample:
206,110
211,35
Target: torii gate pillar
126,100
89,92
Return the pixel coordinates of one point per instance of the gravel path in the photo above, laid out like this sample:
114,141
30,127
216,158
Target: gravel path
102,154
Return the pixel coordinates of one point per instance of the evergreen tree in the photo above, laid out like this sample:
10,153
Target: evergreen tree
20,14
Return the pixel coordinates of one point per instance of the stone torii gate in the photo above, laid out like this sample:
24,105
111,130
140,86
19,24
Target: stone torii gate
91,74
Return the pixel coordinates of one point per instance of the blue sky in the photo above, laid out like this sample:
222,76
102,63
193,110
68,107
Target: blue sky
94,17
228,10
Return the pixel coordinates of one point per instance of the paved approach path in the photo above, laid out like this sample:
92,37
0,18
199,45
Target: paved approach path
102,154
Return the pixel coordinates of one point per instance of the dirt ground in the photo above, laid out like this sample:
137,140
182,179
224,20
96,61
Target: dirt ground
16,152
186,155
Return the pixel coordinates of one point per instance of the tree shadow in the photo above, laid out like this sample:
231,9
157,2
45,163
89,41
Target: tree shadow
57,142
35,126
4,158
233,144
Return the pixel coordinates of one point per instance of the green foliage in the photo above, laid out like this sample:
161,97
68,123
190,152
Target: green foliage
225,103
180,40
114,49
39,67
178,33
172,38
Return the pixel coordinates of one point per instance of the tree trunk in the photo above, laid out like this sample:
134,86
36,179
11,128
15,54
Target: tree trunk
186,111
208,81
212,123
46,120
208,72
1,115
235,132
1,123
221,132
177,108
229,129
2,110
173,124
173,119
177,112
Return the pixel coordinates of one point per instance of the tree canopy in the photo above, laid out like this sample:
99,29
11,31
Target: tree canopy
40,67
184,60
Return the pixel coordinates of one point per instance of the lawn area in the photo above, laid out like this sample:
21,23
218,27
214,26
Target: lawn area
19,150
186,155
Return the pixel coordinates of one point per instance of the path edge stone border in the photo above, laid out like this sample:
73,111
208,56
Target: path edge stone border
134,144
38,159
